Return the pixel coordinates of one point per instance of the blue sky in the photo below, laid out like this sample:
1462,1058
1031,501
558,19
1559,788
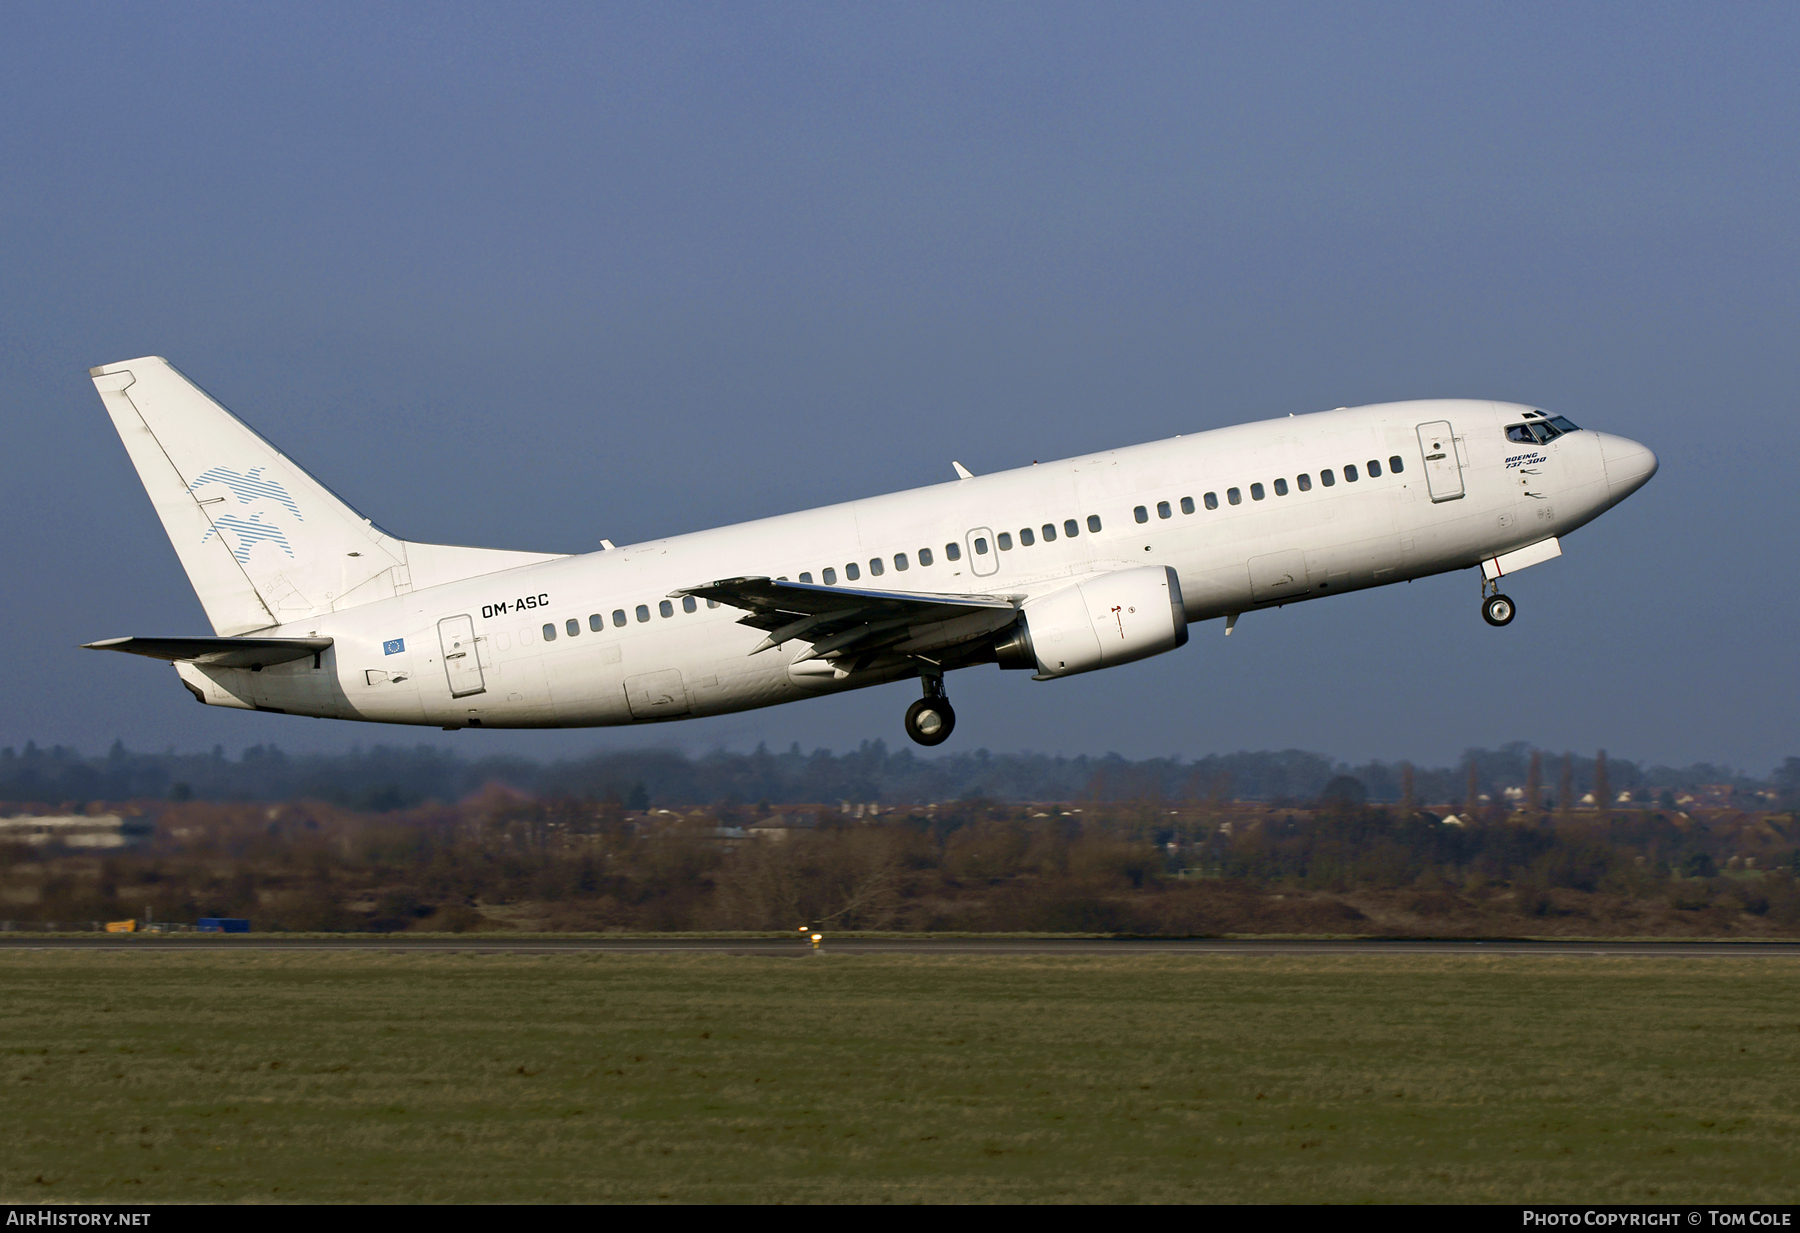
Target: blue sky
536,275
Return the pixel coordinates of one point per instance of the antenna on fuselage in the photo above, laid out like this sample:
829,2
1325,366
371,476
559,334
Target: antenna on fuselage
962,472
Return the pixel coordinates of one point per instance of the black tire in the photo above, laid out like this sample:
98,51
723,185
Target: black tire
930,721
1498,610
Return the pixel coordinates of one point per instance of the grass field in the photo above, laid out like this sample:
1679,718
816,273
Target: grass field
144,1077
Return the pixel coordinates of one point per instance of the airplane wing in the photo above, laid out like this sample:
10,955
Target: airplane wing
216,652
847,621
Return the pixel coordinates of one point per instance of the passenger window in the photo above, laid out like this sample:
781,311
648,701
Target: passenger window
1141,514
1026,537
1281,488
572,626
952,552
981,545
1163,510
1212,500
1071,528
829,576
688,604
666,608
643,612
1234,496
851,572
924,556
1094,523
1187,505
549,633
1004,541
712,603
1350,474
1256,492
900,562
1327,478
1374,468
876,568
1049,530
806,576
618,617
596,622
1304,481
1395,464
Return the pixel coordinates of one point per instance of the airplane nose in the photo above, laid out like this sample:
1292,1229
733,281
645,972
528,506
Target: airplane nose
1629,465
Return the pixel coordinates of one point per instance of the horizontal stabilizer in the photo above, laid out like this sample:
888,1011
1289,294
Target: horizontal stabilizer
217,652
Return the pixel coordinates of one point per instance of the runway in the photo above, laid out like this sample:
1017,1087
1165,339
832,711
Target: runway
794,947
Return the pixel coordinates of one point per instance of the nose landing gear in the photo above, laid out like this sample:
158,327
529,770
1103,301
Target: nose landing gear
931,719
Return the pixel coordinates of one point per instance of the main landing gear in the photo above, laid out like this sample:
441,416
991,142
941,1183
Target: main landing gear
931,720
1496,609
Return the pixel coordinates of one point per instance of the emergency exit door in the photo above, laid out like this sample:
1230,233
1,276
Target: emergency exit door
461,664
1443,473
984,558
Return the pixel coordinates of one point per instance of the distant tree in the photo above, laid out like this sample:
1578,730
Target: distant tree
1787,783
1344,790
1409,795
1699,865
1534,783
1565,784
1602,785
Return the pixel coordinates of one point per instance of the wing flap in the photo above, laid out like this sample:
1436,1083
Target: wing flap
841,621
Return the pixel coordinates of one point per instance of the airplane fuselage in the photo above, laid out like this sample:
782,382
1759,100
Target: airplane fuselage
1253,516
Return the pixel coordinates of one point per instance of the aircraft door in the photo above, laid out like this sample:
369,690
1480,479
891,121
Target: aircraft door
984,557
462,663
1443,473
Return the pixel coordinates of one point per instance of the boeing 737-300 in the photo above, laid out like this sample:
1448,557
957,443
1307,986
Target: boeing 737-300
1053,569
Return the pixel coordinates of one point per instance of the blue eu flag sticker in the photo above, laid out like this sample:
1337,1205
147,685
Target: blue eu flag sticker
393,647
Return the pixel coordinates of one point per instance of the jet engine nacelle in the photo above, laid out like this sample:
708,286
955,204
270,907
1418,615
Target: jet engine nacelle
1111,619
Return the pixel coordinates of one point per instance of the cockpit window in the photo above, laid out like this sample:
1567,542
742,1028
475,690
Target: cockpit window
1539,431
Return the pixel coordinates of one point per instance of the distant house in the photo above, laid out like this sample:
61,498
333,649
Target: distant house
782,826
107,830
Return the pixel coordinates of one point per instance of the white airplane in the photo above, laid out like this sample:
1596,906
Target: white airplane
1056,569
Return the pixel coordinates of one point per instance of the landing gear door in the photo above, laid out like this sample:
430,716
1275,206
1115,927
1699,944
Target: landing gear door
1443,474
462,665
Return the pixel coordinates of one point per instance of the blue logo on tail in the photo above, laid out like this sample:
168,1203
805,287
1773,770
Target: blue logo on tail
248,487
248,532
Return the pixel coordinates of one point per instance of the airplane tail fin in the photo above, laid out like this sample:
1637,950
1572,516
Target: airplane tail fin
263,542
